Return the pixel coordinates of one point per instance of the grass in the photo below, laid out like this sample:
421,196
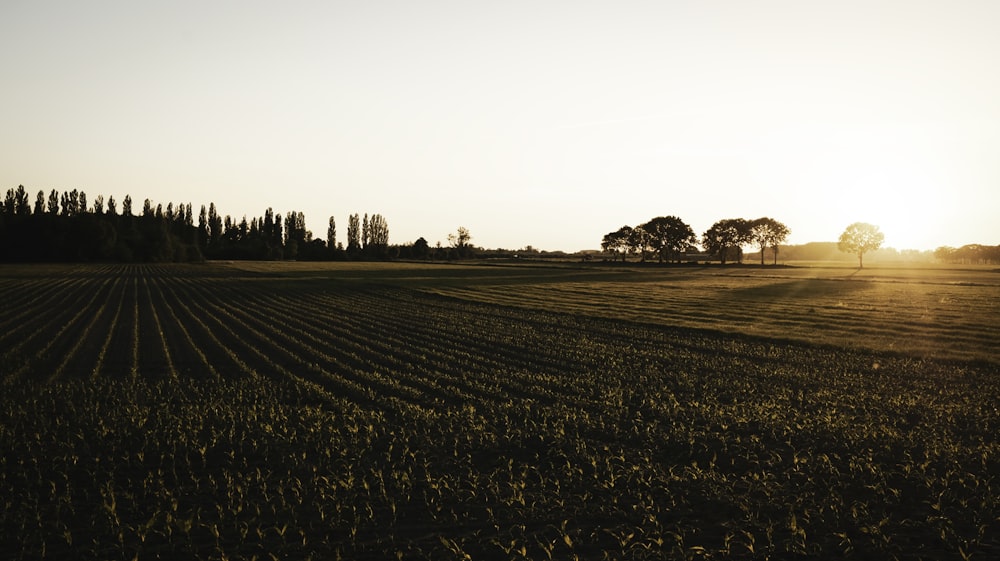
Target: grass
928,312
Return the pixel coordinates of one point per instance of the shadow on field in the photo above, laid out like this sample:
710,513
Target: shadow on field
804,288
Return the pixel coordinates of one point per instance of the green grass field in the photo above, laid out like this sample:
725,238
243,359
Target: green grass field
498,411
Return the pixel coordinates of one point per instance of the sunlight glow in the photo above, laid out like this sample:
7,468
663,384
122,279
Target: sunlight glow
544,124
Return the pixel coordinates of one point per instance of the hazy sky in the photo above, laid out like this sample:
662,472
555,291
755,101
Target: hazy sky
530,123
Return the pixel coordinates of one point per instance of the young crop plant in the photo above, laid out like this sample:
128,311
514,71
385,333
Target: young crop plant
214,411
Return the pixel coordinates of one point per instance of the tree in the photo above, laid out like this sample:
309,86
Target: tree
127,206
295,233
10,203
638,242
331,234
365,233
860,238
65,204
71,203
53,204
768,232
214,225
17,202
421,249
22,202
669,237
277,249
203,227
460,241
353,234
378,236
617,242
40,203
725,235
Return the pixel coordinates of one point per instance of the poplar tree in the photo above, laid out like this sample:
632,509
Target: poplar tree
53,206
353,234
331,234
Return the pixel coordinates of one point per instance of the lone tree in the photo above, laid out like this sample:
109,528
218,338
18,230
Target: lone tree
725,235
460,242
860,238
768,232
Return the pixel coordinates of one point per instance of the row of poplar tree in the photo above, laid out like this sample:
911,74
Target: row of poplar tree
68,226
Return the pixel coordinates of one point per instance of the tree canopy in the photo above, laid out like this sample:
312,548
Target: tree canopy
618,242
725,236
768,232
669,237
860,238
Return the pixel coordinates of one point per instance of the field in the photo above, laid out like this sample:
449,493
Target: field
418,411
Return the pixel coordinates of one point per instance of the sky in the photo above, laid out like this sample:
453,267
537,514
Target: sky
541,123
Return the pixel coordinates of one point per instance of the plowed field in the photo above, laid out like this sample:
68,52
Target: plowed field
435,412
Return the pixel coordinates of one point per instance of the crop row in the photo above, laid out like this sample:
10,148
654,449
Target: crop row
165,411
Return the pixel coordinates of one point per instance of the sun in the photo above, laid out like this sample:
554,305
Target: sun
905,206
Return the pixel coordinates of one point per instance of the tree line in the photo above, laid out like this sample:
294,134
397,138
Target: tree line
68,226
668,238
969,254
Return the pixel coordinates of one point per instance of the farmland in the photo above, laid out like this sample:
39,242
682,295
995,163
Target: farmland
372,411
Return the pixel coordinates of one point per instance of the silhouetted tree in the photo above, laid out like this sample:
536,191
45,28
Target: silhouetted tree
214,225
203,228
353,235
295,234
17,202
53,204
618,242
378,236
460,242
331,233
725,235
670,237
40,203
768,232
421,249
638,242
860,238
365,234
71,203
